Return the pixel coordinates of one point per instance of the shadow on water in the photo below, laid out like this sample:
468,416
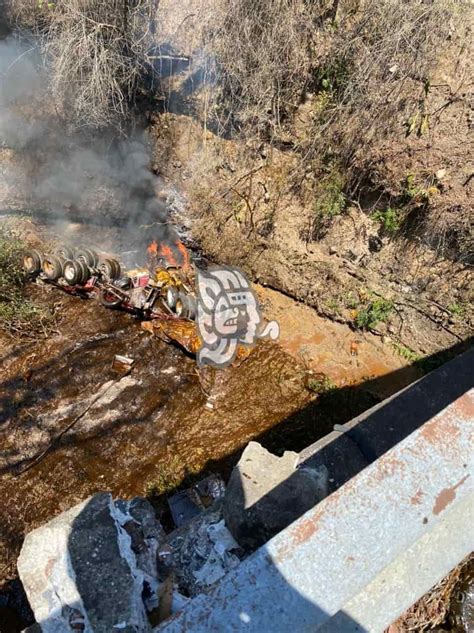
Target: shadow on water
398,419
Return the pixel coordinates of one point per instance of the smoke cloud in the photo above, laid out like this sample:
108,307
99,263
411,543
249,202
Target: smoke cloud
64,174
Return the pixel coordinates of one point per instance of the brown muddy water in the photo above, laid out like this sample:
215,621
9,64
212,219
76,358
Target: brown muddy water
165,421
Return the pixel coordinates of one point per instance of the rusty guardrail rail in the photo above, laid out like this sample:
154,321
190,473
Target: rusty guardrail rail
364,554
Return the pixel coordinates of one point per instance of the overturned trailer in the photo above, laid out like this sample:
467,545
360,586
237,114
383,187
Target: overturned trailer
162,289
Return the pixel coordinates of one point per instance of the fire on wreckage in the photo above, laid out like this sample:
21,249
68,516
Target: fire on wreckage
162,293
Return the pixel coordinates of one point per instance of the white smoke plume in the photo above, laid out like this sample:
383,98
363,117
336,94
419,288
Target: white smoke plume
53,171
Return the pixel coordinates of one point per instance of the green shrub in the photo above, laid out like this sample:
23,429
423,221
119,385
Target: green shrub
16,311
331,201
389,219
375,312
321,384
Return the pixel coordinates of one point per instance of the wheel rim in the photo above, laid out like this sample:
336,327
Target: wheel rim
170,298
28,263
48,268
69,273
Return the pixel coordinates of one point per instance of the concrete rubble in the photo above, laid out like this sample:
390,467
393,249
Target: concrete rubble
80,571
266,493
107,565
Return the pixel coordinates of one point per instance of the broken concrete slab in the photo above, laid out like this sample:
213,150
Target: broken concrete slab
80,572
266,493
201,552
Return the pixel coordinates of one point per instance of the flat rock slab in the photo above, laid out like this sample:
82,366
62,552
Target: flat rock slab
80,573
266,493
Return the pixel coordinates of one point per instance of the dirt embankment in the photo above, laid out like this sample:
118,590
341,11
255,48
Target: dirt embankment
243,212
383,243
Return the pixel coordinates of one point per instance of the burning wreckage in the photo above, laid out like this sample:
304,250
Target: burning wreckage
161,293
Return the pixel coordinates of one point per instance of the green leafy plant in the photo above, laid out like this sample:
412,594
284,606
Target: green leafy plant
457,309
331,200
406,352
17,312
321,384
416,192
375,312
389,219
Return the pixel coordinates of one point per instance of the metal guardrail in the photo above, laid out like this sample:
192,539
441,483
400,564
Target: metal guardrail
363,555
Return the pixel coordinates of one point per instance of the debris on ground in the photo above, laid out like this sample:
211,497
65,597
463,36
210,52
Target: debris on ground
186,335
450,603
108,564
122,364
201,552
81,569
266,493
186,504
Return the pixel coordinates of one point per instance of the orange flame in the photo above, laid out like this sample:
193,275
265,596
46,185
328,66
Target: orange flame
186,259
153,248
163,250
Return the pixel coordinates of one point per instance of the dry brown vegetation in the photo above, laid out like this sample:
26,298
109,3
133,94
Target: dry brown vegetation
96,53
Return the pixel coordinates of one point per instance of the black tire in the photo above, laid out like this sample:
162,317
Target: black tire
32,262
124,283
86,273
75,272
171,296
110,268
65,252
192,307
88,256
52,267
185,307
109,299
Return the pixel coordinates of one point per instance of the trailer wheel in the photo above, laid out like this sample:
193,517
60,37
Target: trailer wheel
171,296
110,268
75,272
52,267
185,306
65,252
109,299
88,256
192,307
32,262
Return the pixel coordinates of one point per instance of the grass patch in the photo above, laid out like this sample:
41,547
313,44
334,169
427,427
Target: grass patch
321,383
18,314
424,363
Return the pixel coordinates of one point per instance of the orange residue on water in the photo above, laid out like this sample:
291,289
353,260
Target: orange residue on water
164,250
